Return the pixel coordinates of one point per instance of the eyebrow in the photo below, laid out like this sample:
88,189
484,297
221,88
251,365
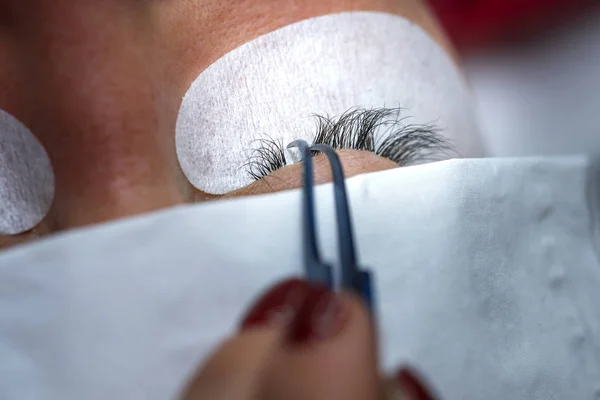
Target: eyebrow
383,131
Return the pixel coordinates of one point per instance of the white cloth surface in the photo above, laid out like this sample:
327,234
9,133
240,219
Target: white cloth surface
485,273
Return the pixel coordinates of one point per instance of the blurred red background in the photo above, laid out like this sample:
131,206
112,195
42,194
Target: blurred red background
472,24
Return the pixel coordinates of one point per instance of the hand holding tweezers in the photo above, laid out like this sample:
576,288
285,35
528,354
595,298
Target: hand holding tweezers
353,278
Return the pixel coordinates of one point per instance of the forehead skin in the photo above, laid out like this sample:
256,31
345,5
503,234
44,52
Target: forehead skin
100,84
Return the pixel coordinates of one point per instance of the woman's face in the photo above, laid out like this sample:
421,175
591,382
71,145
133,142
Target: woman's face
100,83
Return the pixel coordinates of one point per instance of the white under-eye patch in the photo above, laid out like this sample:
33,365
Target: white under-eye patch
327,65
26,178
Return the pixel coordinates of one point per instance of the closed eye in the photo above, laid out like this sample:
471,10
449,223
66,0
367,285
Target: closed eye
382,131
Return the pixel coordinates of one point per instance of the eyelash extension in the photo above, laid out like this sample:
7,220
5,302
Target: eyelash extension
268,157
361,129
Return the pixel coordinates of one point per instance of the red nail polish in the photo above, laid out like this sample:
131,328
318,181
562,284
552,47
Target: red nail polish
412,386
309,311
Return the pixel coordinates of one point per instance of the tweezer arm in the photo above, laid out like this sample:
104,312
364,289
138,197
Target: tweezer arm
315,269
353,277
345,235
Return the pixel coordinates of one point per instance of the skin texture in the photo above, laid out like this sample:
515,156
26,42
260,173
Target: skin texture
100,84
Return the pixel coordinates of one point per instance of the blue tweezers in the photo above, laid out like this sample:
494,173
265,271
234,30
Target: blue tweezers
352,278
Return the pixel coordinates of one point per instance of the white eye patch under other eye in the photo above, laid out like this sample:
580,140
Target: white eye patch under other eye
26,178
327,65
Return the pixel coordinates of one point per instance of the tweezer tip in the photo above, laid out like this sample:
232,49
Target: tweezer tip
295,143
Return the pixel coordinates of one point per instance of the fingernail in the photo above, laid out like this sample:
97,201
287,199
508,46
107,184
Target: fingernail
309,311
412,387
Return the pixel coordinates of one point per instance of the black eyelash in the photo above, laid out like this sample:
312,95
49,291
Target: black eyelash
266,158
361,129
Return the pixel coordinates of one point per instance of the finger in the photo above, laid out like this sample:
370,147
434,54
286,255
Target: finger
408,385
235,371
341,365
300,341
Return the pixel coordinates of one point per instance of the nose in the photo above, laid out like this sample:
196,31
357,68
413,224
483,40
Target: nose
93,89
